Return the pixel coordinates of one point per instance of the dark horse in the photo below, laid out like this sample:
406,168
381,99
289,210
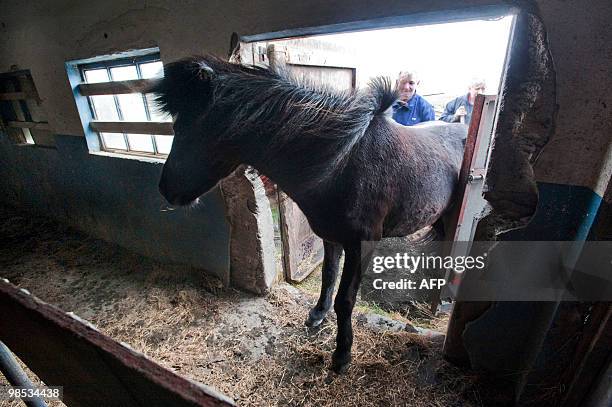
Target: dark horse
355,173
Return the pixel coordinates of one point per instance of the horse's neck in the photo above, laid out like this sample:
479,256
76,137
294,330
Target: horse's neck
301,164
302,143
296,182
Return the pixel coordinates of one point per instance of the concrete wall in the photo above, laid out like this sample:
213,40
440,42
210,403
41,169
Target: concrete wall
115,199
580,153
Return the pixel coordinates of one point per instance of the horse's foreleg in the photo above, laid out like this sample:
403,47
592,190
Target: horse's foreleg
331,263
343,305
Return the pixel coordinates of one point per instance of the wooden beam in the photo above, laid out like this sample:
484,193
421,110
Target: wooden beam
162,128
93,369
29,125
117,87
14,96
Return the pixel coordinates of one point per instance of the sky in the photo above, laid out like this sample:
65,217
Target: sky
446,56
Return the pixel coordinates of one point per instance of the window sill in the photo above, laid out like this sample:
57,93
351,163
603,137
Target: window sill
141,158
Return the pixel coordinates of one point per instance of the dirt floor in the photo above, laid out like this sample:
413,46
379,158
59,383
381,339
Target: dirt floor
256,350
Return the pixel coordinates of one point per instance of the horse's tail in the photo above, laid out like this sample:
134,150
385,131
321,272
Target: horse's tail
382,93
186,84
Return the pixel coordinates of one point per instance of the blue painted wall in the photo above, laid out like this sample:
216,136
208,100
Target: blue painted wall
531,342
115,199
564,212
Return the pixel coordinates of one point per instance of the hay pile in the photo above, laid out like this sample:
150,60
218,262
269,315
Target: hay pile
256,350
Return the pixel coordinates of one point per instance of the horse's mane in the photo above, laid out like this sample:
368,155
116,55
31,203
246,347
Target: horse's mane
296,111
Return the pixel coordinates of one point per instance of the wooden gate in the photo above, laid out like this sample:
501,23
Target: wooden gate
331,66
320,63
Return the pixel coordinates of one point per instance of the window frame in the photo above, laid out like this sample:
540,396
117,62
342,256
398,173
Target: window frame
22,118
93,127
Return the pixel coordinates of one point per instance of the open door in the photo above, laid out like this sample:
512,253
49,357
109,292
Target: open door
322,63
471,178
465,218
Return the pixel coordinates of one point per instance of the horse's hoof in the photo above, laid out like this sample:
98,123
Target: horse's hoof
340,364
314,320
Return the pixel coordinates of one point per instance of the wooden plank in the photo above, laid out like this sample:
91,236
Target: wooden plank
13,96
117,87
161,128
468,156
302,249
29,125
335,77
311,52
93,369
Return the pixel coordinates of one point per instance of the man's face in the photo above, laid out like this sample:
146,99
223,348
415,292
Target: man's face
408,87
477,89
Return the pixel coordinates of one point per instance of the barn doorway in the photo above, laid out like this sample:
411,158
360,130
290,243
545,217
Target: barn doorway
447,58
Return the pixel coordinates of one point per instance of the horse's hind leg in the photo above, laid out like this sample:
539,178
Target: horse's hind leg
331,263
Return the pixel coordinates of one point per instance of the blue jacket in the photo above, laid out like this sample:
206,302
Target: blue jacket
453,105
416,111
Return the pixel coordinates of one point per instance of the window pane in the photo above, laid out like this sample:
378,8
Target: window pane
152,70
124,73
104,107
164,144
156,114
132,107
141,142
96,75
27,135
114,141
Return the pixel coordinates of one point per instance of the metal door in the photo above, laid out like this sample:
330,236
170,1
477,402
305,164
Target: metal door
471,178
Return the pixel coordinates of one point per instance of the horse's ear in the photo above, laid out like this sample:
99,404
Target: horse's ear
204,72
185,85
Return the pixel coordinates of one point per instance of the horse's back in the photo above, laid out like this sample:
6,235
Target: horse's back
425,175
434,138
401,176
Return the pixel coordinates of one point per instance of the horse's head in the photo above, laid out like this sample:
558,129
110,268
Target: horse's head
197,161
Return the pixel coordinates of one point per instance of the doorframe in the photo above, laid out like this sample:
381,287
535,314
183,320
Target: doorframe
245,43
409,20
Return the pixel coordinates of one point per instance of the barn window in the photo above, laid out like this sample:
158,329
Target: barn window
21,114
122,117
